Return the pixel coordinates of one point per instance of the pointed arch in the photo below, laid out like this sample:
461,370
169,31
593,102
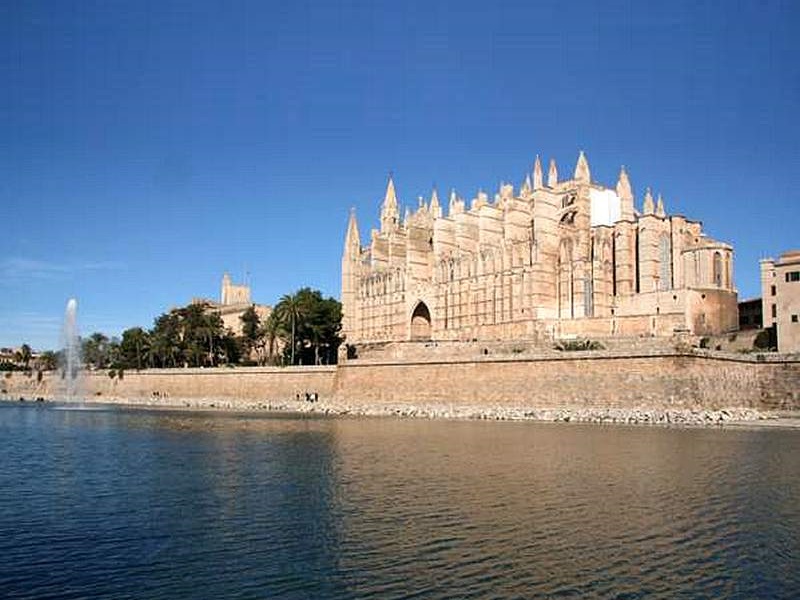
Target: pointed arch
421,322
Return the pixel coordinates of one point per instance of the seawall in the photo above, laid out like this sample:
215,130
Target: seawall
605,380
582,380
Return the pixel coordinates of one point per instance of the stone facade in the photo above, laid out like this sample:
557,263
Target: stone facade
553,259
780,295
232,294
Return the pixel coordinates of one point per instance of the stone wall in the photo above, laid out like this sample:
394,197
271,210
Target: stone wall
581,379
574,380
252,384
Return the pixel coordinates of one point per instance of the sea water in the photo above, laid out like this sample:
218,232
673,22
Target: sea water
173,504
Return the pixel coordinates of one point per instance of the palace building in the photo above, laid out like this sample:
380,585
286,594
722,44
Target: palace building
554,259
234,300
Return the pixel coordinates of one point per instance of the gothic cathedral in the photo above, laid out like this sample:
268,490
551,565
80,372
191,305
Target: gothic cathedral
558,259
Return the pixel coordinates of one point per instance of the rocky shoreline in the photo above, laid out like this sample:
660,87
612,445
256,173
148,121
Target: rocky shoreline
631,416
554,415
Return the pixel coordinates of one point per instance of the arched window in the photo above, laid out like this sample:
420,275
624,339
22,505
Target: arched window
717,269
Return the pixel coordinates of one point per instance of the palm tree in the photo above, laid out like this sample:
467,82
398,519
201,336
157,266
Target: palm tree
48,361
270,330
24,355
290,308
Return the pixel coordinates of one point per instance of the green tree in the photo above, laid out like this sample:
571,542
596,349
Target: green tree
229,348
271,332
166,343
289,311
313,324
23,356
203,335
134,349
192,336
96,351
47,361
251,330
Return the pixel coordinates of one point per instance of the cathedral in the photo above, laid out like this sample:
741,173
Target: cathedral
555,259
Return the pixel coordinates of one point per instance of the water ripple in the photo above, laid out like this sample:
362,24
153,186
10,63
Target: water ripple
119,504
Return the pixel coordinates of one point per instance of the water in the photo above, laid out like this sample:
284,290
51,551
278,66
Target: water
125,504
71,352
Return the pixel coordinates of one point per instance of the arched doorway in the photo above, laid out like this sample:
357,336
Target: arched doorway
421,323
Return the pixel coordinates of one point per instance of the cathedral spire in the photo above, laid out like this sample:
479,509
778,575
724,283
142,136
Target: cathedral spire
552,174
390,213
537,173
391,196
352,241
625,194
660,212
582,173
435,207
526,187
647,205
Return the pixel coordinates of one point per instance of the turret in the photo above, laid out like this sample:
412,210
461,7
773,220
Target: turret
648,208
435,207
537,174
350,272
390,213
526,188
552,174
660,212
226,286
352,240
625,194
456,204
582,173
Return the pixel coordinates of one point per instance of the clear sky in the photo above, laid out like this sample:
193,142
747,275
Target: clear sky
147,147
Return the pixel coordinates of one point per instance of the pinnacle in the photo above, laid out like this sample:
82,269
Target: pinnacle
391,196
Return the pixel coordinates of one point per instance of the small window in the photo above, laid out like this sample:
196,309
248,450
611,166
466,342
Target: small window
772,290
774,311
794,318
793,276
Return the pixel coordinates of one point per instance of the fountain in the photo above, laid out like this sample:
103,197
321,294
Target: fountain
70,360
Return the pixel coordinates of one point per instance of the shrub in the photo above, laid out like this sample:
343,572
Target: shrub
762,341
578,345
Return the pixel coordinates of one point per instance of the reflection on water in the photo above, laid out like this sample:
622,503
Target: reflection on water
176,504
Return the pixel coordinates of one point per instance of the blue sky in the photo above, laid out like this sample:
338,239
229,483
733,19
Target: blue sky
146,147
